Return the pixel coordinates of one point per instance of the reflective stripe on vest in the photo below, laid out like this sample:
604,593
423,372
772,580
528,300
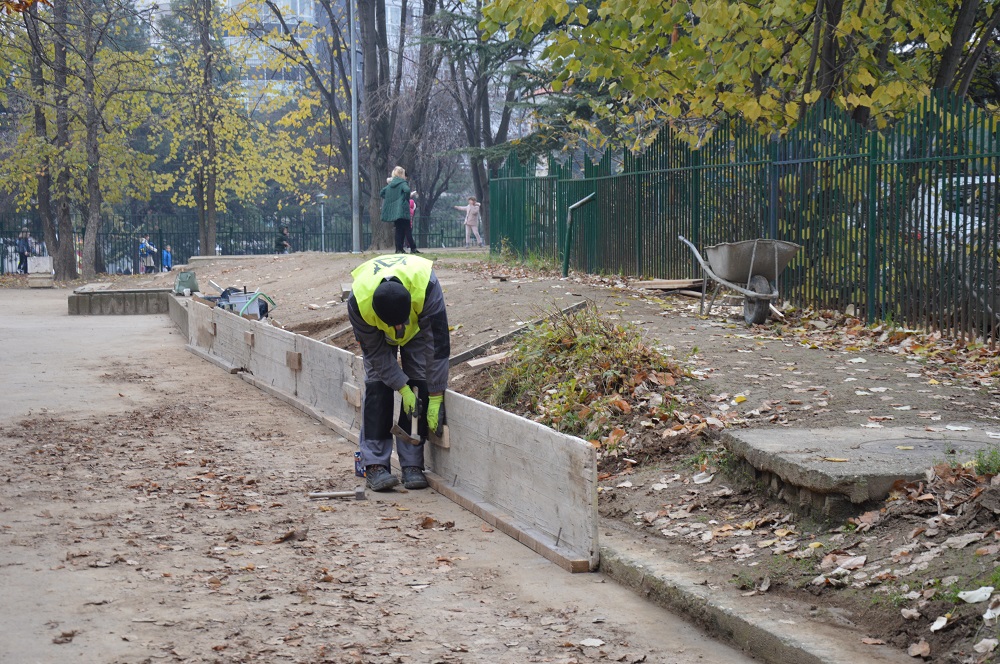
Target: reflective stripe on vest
412,271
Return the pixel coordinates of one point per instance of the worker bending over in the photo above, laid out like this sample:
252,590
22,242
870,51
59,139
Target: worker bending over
396,304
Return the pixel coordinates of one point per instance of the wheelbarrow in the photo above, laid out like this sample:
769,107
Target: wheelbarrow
750,267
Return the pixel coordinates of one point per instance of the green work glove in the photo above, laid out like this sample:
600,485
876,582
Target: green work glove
409,399
433,411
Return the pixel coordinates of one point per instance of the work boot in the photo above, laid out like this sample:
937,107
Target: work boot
414,251
414,478
379,478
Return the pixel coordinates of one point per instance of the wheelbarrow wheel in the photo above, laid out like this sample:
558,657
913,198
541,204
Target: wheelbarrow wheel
755,311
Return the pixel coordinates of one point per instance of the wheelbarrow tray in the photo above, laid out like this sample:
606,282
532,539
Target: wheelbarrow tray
731,261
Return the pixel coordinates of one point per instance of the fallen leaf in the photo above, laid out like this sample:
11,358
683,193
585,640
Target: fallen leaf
919,649
986,645
838,460
872,642
592,643
974,596
939,623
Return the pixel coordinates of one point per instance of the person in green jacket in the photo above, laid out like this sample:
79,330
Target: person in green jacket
396,205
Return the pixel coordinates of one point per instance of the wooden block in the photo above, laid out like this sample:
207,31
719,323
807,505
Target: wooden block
352,394
248,338
444,440
209,303
345,292
489,359
210,328
669,284
293,360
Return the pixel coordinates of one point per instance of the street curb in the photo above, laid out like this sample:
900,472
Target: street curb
739,621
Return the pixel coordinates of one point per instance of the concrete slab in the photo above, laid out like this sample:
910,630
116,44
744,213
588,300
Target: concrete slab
835,473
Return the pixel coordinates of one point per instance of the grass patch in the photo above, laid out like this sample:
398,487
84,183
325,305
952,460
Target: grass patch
534,261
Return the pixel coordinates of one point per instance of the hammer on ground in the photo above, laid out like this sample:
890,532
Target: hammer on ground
358,493
414,438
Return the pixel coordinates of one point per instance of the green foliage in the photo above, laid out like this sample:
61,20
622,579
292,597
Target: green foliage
988,463
574,371
688,63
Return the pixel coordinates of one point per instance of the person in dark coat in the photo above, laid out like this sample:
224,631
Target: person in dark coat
23,250
396,206
281,243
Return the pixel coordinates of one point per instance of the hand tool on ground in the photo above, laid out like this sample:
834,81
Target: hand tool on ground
358,494
414,438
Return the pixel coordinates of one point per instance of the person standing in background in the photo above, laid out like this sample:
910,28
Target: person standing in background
167,259
396,206
409,231
147,252
281,243
23,245
471,221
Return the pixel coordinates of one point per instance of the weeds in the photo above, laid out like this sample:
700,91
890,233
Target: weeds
988,461
576,372
533,260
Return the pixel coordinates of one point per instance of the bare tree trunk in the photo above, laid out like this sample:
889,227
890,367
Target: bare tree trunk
960,34
829,63
44,176
62,249
93,127
375,52
428,63
206,118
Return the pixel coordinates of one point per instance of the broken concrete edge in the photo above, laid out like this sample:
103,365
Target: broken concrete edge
678,589
854,488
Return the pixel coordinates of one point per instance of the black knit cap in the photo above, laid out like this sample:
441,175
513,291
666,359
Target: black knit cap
391,302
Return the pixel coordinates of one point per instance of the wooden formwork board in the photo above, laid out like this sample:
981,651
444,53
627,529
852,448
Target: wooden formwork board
533,483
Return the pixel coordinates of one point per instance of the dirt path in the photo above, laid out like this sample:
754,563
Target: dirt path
153,508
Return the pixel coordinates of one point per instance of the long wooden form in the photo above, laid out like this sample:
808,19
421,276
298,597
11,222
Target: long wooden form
534,484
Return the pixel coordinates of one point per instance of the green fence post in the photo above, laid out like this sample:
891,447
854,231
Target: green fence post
569,229
696,197
638,222
870,227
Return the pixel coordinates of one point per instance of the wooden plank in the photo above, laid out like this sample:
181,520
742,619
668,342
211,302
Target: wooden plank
248,339
489,359
546,481
510,525
230,338
337,333
331,380
293,360
268,359
668,284
482,348
444,440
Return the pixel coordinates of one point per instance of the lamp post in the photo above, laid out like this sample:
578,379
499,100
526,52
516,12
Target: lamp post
322,223
355,172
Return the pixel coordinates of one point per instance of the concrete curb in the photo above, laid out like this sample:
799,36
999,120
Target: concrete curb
774,630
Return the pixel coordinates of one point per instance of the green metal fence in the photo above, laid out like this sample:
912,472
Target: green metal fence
118,244
901,224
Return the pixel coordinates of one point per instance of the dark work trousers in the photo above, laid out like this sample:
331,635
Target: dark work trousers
379,403
402,228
